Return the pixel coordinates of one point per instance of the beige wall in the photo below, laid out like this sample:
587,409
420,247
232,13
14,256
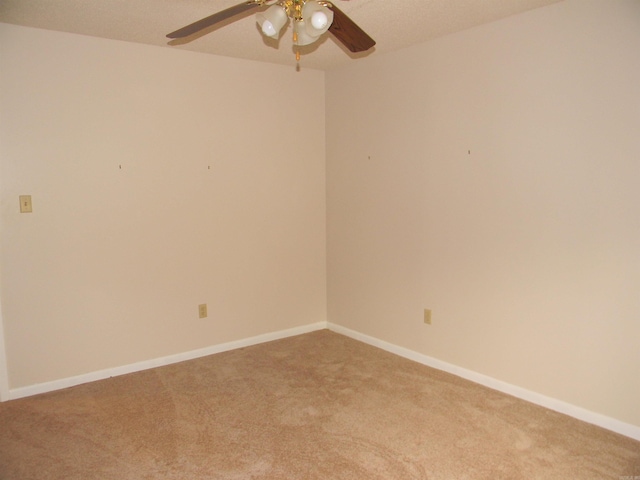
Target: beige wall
493,176
218,200
4,380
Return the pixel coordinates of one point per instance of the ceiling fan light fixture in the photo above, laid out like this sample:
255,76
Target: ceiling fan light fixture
311,19
318,18
272,20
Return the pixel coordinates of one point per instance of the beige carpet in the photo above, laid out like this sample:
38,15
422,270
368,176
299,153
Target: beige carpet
315,406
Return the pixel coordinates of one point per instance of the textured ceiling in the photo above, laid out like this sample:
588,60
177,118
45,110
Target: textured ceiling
394,24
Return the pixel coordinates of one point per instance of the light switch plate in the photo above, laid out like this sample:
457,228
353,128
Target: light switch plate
25,204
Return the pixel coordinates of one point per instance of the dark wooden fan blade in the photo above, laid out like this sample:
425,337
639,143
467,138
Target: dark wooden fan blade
213,19
350,34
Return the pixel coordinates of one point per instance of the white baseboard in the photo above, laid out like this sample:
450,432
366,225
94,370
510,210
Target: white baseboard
159,362
579,413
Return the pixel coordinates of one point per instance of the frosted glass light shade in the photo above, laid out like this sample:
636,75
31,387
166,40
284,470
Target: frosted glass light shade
272,20
302,37
318,18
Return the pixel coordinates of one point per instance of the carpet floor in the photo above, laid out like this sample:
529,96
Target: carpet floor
314,406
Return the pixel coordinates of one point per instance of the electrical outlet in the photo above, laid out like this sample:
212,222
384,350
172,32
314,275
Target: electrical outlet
427,316
202,310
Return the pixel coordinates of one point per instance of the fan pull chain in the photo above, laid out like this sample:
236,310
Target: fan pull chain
295,42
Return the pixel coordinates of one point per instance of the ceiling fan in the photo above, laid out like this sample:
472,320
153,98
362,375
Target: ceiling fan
310,18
